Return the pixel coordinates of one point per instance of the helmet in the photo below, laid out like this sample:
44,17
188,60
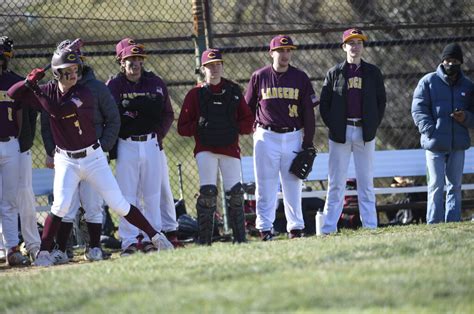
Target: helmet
63,59
6,50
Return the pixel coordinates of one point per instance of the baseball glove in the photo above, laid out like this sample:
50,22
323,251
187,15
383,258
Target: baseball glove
303,163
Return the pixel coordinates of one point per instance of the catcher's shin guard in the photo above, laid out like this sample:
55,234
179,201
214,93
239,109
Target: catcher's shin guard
235,202
206,206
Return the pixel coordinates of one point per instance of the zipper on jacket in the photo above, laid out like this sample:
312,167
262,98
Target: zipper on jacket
452,119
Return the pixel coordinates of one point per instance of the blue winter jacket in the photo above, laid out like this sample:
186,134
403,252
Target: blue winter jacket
434,99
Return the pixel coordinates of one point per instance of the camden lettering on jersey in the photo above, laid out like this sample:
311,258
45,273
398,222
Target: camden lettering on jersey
280,92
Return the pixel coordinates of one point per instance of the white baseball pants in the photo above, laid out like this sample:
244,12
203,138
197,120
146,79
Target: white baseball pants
168,210
95,170
27,203
209,164
339,157
89,199
139,177
273,154
9,180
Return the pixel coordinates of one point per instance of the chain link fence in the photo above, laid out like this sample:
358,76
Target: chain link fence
406,38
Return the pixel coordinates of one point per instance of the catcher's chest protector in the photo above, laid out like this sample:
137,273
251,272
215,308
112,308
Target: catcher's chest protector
218,126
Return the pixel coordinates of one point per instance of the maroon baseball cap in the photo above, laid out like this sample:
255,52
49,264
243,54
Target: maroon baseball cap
122,45
353,33
211,55
133,51
281,41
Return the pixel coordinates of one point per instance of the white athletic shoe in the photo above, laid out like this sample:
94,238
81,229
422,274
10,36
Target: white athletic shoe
59,257
161,242
43,258
93,254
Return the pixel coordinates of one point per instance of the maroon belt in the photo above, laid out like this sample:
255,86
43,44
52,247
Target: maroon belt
79,154
141,138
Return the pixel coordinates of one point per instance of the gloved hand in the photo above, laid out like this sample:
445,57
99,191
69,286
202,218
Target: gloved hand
132,104
35,76
310,150
302,164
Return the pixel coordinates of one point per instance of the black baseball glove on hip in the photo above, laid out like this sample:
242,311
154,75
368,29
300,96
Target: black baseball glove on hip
303,163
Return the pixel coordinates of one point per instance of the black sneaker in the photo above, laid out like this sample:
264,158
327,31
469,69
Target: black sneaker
297,233
148,247
130,250
266,235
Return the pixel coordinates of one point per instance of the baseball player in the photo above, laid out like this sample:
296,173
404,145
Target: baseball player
10,125
107,125
78,155
143,103
215,113
25,197
352,107
283,100
167,205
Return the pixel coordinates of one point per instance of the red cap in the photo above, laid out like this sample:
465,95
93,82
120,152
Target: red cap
353,33
281,41
132,51
122,45
211,55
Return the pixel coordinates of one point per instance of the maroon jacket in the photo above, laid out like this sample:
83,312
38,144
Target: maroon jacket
189,116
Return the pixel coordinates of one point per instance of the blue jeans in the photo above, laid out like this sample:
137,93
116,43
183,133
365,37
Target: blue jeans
444,168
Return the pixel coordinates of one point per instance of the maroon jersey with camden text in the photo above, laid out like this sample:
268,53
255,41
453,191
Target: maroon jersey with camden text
283,100
8,107
71,114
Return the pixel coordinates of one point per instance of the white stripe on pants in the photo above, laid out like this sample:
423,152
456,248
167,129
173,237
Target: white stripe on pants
273,155
339,157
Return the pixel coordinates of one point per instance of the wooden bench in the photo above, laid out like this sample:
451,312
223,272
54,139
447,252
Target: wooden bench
387,163
43,179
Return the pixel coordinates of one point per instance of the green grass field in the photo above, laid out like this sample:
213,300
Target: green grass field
410,269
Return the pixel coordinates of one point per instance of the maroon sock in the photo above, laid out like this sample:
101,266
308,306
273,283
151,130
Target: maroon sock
136,218
94,234
51,226
63,234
